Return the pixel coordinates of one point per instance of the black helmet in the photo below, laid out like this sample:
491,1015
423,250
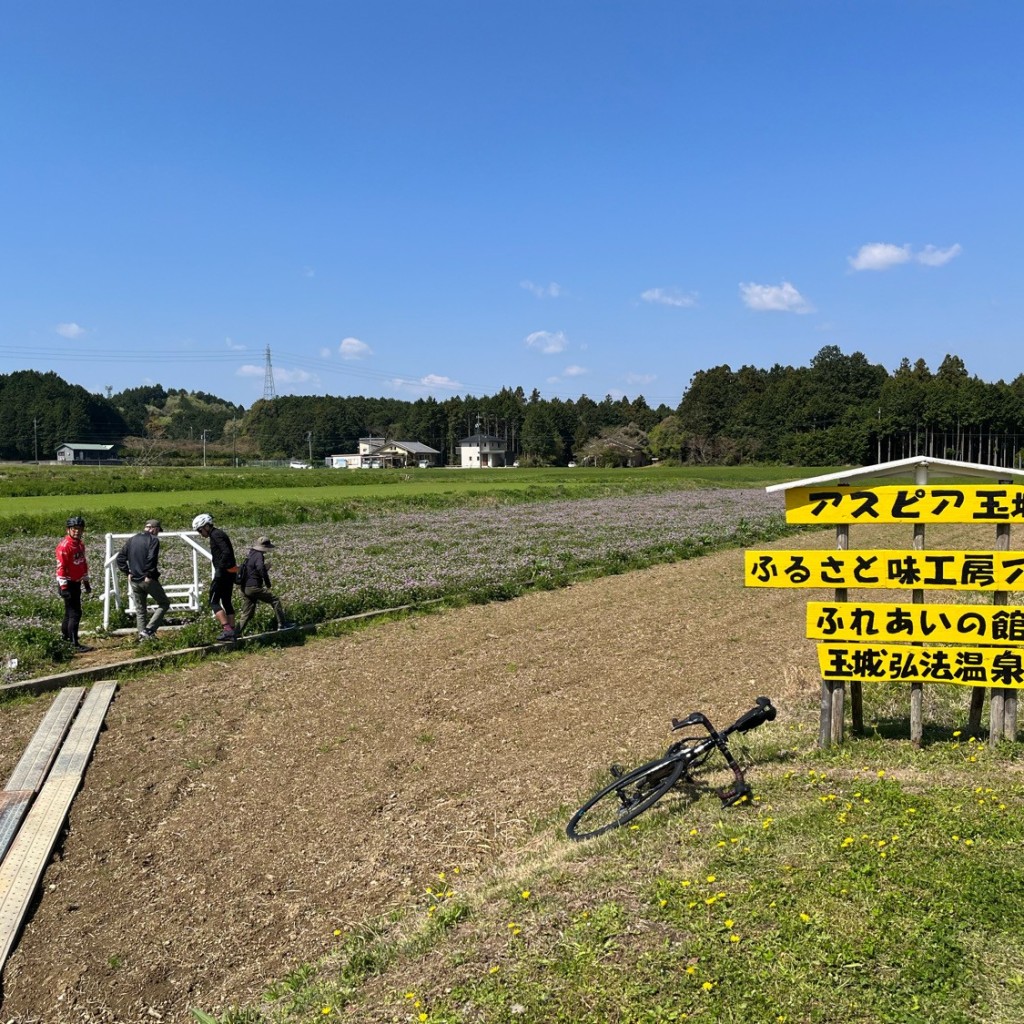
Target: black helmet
76,521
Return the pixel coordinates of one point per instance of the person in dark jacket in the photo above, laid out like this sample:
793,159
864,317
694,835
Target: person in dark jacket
222,554
139,561
72,579
254,579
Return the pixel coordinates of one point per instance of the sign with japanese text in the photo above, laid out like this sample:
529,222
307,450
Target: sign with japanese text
965,666
915,623
886,569
1000,503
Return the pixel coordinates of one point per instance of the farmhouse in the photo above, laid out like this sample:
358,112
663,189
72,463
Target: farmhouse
379,453
72,452
478,451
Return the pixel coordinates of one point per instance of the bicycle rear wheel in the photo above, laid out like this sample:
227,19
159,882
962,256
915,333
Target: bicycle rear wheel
624,798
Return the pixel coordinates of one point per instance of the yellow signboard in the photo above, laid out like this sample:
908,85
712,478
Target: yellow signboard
885,569
915,623
965,666
970,503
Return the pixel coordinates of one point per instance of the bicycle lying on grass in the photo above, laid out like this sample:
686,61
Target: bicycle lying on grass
631,792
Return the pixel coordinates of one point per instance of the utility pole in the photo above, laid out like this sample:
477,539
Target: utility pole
204,449
35,438
309,438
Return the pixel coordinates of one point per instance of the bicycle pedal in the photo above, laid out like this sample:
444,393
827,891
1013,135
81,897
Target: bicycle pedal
617,771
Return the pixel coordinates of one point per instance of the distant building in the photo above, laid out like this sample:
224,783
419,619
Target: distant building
478,451
379,453
71,452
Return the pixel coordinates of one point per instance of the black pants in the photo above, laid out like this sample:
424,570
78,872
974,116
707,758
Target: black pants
72,597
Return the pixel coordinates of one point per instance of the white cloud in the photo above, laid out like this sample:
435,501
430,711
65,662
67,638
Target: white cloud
543,291
574,371
930,256
879,256
71,330
353,348
548,342
325,353
782,298
426,385
641,378
670,297
282,375
235,346
883,255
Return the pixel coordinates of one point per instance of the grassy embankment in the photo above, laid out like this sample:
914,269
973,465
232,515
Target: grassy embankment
872,882
35,500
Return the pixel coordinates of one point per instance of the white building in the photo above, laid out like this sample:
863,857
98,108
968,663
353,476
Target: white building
479,451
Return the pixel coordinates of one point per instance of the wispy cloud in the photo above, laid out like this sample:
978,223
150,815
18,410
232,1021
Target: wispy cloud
670,297
282,375
71,330
543,291
574,371
548,342
783,298
931,256
235,346
641,378
884,255
325,352
426,385
353,348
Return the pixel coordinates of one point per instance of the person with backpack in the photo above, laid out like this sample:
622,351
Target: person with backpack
254,580
72,579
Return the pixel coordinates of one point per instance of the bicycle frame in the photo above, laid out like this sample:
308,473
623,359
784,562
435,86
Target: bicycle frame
729,795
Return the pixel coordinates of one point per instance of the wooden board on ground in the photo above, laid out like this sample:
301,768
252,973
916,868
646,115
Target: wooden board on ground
23,865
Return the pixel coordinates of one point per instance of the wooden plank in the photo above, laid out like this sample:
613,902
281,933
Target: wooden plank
26,860
35,762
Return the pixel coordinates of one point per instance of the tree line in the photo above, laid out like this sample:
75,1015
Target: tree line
839,410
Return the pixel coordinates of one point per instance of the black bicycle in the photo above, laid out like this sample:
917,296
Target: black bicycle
631,792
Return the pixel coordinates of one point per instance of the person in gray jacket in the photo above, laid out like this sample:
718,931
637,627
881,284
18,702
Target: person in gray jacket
139,561
254,579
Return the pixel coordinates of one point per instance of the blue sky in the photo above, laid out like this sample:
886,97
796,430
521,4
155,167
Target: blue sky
451,196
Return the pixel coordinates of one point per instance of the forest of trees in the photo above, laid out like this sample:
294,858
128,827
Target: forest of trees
839,410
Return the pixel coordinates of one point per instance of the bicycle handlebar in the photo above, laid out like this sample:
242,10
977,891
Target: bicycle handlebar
763,712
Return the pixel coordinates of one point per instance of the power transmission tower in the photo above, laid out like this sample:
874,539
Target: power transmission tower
269,391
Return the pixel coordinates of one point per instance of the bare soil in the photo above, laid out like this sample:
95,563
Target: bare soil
238,811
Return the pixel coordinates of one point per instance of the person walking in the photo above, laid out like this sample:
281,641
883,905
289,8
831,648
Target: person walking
254,580
139,561
72,579
222,554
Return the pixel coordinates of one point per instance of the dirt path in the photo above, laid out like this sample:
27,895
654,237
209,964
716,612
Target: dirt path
235,813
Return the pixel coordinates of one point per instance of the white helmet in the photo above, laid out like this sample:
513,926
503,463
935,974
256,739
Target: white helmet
201,520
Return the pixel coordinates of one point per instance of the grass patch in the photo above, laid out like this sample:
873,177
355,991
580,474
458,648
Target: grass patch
870,882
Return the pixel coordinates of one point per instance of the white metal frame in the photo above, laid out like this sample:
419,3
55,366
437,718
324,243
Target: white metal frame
182,595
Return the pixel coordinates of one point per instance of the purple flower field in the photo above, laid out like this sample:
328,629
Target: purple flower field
324,569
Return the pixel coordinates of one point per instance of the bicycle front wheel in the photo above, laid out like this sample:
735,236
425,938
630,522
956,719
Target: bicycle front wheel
624,798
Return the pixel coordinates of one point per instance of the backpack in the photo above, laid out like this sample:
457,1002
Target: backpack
242,574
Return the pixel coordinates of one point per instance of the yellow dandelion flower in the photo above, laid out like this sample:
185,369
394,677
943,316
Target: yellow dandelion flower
326,1010
494,969
337,932
662,903
525,894
711,878
956,732
728,922
410,995
805,918
734,938
694,832
711,900
721,842
422,1016
685,882
691,969
968,842
708,986
881,773
440,876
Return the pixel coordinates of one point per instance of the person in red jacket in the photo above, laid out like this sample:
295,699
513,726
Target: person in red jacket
72,579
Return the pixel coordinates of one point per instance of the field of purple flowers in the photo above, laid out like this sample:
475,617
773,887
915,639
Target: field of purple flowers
324,570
